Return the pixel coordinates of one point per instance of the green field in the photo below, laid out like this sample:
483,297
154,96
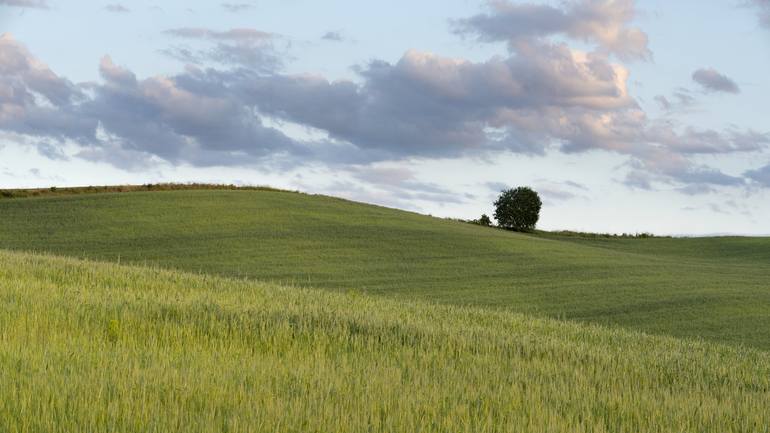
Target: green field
94,347
712,288
262,310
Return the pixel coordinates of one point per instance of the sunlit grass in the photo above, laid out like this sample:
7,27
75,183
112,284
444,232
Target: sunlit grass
98,347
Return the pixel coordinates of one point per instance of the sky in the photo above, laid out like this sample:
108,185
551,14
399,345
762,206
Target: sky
626,116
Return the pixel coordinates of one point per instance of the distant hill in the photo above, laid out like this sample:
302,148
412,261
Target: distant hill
713,288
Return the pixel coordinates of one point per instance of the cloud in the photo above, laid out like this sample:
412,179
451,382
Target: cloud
158,116
51,151
545,97
237,35
663,102
602,22
707,176
332,36
359,192
660,165
714,81
237,7
554,192
638,179
761,176
717,209
727,208
402,184
33,99
576,185
129,122
116,75
117,8
38,4
551,191
554,195
693,141
680,100
497,187
428,105
22,73
245,47
763,10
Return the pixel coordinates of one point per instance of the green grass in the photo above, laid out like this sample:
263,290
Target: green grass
92,347
713,288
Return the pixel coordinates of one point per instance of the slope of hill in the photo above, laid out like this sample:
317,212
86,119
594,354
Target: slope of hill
714,288
104,347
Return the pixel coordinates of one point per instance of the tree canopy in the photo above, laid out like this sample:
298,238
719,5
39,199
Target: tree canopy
518,209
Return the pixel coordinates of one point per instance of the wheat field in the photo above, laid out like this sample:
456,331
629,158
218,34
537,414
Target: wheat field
96,347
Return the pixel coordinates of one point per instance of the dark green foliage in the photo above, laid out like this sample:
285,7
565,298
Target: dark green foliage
482,221
518,209
587,235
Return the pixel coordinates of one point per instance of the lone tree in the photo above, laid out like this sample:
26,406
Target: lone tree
518,209
484,220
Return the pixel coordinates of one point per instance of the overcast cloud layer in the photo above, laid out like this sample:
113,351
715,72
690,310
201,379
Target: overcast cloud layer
561,87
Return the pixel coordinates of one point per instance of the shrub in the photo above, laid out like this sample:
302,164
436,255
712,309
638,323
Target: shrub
518,209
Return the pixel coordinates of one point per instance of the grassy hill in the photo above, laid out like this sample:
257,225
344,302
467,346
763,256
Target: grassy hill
715,288
103,347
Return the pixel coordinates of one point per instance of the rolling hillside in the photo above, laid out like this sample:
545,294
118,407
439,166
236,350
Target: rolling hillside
717,288
102,347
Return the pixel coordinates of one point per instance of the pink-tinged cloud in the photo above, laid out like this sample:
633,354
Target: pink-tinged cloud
605,23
